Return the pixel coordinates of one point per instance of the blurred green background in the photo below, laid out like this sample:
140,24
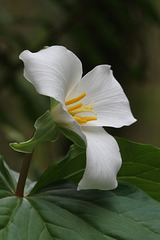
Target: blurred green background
122,33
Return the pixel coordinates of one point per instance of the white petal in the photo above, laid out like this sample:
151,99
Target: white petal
53,71
103,160
111,104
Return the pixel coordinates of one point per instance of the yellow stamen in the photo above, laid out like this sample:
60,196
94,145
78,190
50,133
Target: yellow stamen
74,100
80,119
74,107
89,118
84,119
79,108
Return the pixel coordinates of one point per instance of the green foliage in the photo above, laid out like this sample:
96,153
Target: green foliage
141,166
61,212
46,130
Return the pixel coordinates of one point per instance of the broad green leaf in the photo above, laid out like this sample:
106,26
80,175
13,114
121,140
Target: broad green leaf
141,166
46,130
60,212
71,167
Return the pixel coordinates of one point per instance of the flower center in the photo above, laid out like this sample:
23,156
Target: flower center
79,108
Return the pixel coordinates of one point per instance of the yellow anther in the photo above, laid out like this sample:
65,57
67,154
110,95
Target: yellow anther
84,119
89,118
79,108
80,119
74,100
88,107
74,107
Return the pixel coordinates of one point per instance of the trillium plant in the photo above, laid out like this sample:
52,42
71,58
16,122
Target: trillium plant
82,105
77,197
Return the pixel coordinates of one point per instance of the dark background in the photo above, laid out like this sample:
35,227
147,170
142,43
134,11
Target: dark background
122,33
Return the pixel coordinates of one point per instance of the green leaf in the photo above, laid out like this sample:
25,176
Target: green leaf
141,166
71,167
60,212
46,130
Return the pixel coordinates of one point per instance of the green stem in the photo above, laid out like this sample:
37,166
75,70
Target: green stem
23,175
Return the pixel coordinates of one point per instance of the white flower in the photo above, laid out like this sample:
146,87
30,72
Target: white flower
85,105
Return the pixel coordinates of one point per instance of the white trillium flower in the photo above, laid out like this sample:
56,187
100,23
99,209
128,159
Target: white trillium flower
85,105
